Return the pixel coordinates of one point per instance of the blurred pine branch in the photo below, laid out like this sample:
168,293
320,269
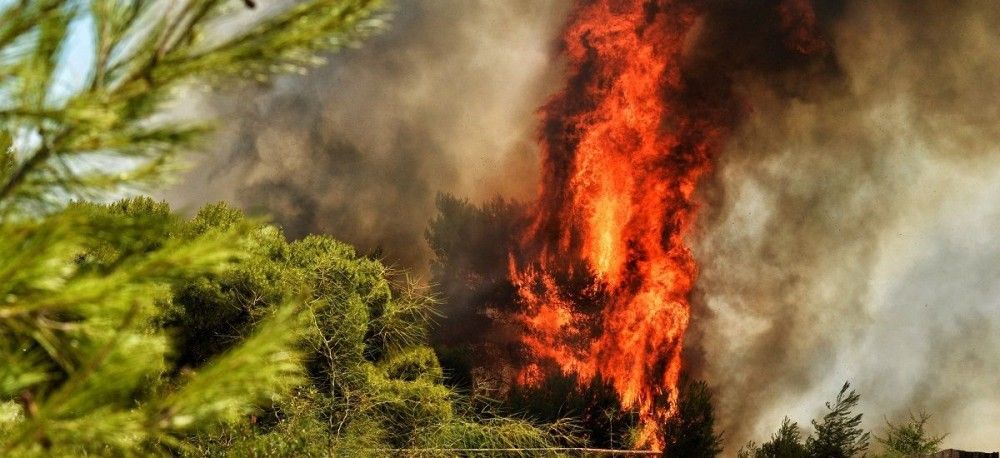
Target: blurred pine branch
108,131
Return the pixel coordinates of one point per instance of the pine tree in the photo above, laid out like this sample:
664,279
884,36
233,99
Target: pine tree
690,432
84,365
107,129
785,443
838,434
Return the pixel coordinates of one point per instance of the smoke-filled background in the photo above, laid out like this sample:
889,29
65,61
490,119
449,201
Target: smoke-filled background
442,101
853,233
850,231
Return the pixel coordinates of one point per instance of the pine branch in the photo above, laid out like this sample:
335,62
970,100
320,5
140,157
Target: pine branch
143,51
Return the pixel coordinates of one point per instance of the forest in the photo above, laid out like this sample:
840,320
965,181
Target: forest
128,328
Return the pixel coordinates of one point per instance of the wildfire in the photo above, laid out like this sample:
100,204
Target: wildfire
622,153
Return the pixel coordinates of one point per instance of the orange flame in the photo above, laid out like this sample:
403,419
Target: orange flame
620,167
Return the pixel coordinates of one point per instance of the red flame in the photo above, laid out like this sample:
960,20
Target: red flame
621,163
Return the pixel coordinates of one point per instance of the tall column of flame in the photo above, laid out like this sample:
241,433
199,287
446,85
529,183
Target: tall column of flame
622,152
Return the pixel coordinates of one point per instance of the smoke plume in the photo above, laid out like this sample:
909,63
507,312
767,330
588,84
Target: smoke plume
851,231
442,101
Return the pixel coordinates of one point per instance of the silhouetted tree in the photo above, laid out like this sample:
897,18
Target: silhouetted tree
595,407
838,434
786,443
469,271
691,431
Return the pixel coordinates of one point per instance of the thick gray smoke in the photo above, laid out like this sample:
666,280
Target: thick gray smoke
854,233
442,101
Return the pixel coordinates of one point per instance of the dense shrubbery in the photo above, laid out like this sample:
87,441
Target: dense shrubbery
372,381
276,348
909,438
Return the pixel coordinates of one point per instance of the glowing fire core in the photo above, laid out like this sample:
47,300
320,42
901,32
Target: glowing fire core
622,153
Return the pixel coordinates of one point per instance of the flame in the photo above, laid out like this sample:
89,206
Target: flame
622,154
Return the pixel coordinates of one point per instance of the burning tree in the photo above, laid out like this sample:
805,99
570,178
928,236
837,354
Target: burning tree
603,272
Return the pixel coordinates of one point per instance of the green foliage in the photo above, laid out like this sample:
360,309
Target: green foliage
786,443
291,432
216,393
416,363
81,352
838,434
126,330
909,438
690,432
348,369
110,133
372,382
494,433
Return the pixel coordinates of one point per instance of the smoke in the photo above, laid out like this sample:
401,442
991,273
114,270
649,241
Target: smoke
851,231
442,101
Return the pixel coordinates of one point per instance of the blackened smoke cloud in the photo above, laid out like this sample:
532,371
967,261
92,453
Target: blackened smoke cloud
441,101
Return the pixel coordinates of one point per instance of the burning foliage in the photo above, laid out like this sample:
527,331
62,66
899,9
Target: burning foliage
599,275
603,272
620,167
